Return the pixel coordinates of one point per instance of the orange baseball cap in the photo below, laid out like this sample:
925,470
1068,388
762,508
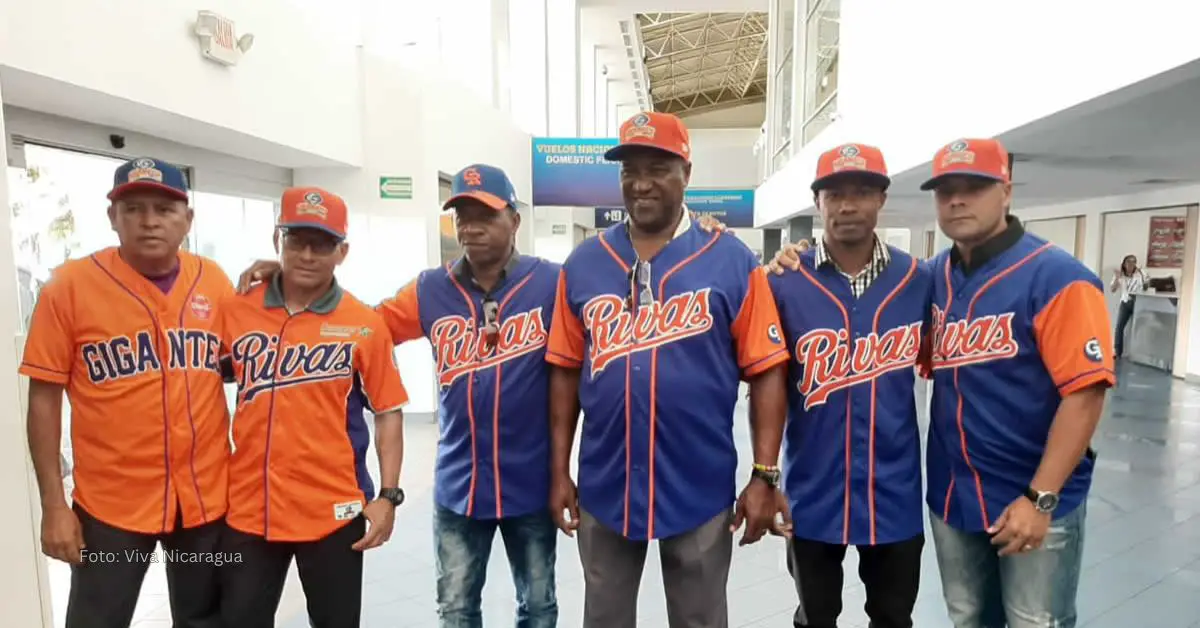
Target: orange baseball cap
858,160
977,158
652,129
313,208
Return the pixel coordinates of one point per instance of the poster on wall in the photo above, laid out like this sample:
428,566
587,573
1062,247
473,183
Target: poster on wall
734,208
1167,236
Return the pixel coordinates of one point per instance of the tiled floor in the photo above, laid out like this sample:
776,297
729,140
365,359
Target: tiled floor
1142,562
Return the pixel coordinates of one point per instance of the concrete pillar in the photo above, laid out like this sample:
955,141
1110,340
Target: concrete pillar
800,228
772,242
24,589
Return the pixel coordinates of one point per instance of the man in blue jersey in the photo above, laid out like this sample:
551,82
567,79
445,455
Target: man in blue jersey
852,317
655,323
1021,360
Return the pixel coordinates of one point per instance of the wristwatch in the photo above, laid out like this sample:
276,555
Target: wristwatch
1044,501
394,495
766,473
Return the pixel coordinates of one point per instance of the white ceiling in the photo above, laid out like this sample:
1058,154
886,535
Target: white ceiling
1141,138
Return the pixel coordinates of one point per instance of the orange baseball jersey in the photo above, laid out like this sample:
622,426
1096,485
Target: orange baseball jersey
662,345
1012,334
299,469
149,424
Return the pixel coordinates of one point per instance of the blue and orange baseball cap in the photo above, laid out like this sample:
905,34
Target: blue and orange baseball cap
149,174
314,208
653,129
857,160
487,184
984,158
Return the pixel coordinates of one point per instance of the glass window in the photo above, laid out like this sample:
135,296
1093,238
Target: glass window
817,123
450,250
233,231
59,211
821,58
786,38
784,87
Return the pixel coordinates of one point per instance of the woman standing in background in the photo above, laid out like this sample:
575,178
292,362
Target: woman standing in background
1130,280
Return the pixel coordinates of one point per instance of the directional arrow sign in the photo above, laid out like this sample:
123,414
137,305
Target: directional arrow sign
395,187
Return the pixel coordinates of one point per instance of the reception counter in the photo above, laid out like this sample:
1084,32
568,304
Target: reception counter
1151,340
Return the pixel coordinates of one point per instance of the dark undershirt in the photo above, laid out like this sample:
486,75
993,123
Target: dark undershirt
165,282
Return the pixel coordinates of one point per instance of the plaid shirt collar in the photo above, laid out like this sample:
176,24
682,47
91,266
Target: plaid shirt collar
880,257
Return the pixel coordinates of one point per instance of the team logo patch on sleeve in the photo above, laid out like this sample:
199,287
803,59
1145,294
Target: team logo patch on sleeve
1093,351
773,334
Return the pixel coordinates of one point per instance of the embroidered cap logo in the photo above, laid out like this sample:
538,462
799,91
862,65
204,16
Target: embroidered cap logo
472,177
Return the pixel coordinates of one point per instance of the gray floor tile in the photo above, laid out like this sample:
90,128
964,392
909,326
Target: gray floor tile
1142,558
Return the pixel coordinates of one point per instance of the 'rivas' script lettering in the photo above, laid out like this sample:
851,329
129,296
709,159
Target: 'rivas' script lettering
262,367
617,332
831,362
964,342
461,348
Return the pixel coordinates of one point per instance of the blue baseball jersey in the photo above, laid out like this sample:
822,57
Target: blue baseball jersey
660,372
1012,334
493,457
852,450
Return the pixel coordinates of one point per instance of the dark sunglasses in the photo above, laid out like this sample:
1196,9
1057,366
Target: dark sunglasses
640,293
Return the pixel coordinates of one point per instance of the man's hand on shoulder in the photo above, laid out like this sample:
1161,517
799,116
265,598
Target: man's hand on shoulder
260,271
788,258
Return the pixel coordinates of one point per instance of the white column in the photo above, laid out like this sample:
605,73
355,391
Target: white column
24,590
502,56
562,67
527,45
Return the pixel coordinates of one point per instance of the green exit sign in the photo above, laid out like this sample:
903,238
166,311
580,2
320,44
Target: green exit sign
396,187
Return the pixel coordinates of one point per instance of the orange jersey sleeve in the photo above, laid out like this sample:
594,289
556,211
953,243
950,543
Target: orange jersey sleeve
402,314
756,328
565,346
1075,338
50,341
377,367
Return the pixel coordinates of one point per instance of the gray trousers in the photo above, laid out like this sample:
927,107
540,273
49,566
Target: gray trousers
695,567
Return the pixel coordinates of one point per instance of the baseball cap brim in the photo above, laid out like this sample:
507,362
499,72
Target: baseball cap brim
146,186
487,198
621,151
872,178
936,181
311,225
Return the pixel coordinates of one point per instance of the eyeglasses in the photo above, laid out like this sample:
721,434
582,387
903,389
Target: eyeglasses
491,322
640,293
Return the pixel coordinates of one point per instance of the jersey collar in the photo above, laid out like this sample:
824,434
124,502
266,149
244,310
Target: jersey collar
989,250
462,270
685,223
273,297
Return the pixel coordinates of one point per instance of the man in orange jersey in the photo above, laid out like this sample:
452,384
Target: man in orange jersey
129,334
308,359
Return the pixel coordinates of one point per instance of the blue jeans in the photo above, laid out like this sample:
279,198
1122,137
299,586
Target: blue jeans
1033,590
463,545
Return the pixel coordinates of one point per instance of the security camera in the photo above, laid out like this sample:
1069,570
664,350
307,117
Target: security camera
117,141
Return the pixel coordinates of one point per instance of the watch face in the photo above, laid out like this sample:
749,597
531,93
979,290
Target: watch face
1047,502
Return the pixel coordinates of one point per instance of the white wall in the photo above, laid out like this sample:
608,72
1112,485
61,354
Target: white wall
303,66
24,592
882,96
1060,231
724,158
